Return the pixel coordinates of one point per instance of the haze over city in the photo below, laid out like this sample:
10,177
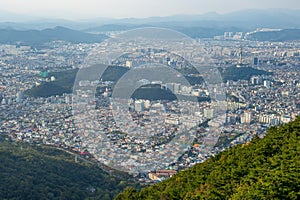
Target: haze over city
79,9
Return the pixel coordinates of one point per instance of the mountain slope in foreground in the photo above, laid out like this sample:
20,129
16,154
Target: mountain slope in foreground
41,172
267,168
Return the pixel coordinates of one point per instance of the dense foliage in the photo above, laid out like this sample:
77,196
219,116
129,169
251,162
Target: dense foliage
240,73
153,92
266,168
38,172
63,84
278,36
65,81
38,37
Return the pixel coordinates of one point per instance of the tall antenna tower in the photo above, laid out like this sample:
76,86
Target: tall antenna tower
240,62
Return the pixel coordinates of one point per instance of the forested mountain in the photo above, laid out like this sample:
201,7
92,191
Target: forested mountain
34,37
41,172
240,73
65,80
276,36
265,168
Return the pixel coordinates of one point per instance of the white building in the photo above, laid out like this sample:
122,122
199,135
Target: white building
208,113
139,105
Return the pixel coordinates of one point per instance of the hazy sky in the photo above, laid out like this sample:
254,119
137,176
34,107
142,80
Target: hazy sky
81,9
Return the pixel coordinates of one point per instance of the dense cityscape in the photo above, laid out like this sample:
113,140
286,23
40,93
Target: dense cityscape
253,105
137,100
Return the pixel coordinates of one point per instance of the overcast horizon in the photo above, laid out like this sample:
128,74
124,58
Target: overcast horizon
88,9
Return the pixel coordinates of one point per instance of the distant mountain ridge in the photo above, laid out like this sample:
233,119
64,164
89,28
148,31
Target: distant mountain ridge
276,36
32,37
245,19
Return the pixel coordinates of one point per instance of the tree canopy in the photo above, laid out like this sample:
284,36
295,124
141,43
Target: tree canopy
265,168
42,172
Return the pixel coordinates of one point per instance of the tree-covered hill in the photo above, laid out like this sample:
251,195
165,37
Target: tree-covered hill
63,84
267,168
240,73
276,36
38,37
65,80
41,172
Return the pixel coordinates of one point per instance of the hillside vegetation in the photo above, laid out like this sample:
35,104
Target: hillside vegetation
38,37
63,84
266,168
65,80
276,36
240,73
41,172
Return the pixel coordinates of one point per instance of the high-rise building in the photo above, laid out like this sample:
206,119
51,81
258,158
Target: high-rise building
147,104
228,35
170,86
240,61
68,98
128,64
139,105
267,83
255,61
208,113
176,87
20,97
3,102
256,80
247,117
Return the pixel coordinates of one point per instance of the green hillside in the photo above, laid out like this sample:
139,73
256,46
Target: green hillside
39,37
41,172
240,73
267,168
65,80
276,36
63,84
